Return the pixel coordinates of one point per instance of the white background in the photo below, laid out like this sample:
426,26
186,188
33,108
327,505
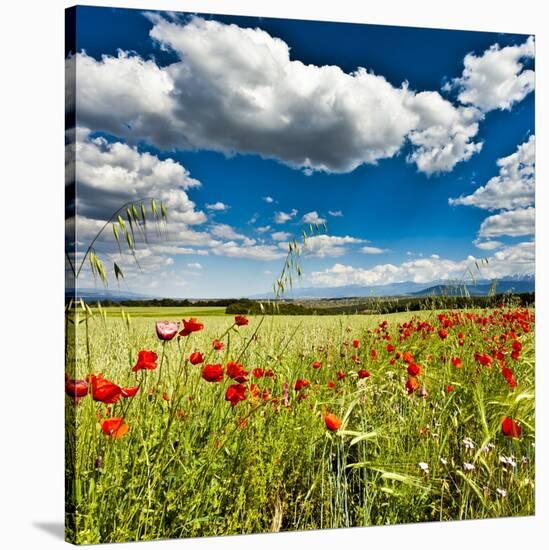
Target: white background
31,262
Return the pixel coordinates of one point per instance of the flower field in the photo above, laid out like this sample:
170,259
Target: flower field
222,425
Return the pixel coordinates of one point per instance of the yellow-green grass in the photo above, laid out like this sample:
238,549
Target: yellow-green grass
195,466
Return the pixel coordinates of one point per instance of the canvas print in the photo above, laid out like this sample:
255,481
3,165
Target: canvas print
299,275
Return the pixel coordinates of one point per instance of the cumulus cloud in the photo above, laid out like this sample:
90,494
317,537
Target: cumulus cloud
487,245
322,246
513,223
268,200
496,79
335,213
283,217
280,236
509,261
236,89
513,187
235,249
313,217
372,250
195,265
217,206
225,231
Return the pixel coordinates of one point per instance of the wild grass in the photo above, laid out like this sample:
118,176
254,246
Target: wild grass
192,465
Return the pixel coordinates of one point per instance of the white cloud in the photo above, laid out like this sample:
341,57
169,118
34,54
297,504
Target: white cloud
335,213
280,236
509,261
236,89
313,217
322,246
497,78
372,250
263,229
217,207
513,187
487,245
224,231
268,200
252,252
283,217
513,223
195,265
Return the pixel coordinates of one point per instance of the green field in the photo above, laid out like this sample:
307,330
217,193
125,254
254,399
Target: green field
192,465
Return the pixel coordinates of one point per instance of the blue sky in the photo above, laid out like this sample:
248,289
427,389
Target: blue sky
385,197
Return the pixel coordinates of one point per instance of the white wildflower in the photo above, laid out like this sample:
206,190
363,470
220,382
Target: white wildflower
468,443
424,467
501,492
468,467
444,461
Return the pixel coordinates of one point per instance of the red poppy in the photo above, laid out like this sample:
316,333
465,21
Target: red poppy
516,345
258,372
331,384
237,372
484,359
300,384
316,364
196,358
373,353
443,333
412,384
235,393
103,390
333,422
340,375
413,369
129,392
76,388
114,427
146,359
390,348
165,396
212,373
240,321
407,357
166,330
508,375
356,343
269,373
515,355
449,388
456,361
363,373
192,325
510,428
217,345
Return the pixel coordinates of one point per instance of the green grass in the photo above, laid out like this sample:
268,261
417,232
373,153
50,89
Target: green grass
167,313
195,466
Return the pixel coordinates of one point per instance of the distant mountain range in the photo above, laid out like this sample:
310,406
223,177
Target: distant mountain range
515,283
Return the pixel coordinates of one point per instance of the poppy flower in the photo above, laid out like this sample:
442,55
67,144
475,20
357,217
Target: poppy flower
390,348
212,373
331,384
456,361
269,373
300,384
316,364
515,355
114,427
103,390
235,393
373,353
146,360
516,345
340,375
363,373
412,384
190,326
165,396
237,372
510,428
443,333
129,392
508,375
333,422
449,388
258,372
356,343
196,358
166,330
76,388
407,357
484,359
217,345
413,369
240,321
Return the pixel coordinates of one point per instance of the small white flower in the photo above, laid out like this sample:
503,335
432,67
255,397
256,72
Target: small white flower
508,460
424,467
444,461
525,460
501,492
468,443
468,467
487,448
